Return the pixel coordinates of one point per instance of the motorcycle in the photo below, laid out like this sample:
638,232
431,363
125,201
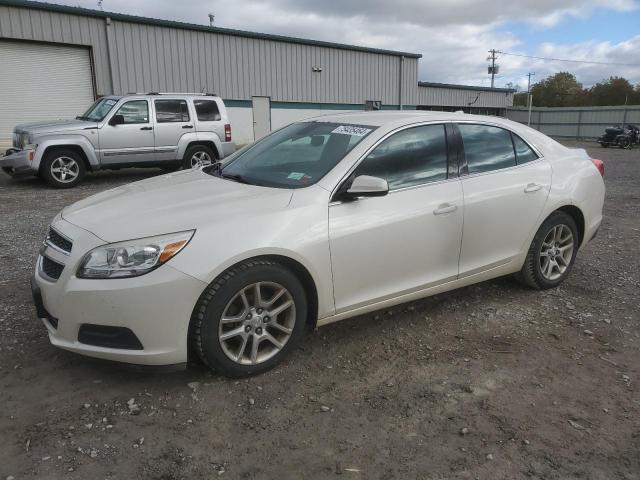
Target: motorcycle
623,137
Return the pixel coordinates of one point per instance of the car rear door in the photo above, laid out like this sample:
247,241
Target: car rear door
407,240
173,120
505,184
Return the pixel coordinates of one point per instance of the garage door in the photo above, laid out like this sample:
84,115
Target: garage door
42,82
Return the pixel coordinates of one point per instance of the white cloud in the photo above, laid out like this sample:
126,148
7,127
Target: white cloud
453,36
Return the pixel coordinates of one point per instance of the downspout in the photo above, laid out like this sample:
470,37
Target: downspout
400,86
107,25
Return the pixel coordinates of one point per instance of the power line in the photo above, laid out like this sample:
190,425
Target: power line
571,60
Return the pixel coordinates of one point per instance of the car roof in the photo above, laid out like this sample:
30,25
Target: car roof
388,118
163,94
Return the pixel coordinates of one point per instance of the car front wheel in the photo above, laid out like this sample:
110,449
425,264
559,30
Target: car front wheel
62,168
552,252
249,318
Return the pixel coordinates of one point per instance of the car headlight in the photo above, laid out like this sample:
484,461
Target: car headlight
132,258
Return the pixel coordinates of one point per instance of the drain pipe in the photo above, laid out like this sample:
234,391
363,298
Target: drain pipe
400,79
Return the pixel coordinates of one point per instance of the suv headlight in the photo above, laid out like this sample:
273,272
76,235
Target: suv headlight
132,258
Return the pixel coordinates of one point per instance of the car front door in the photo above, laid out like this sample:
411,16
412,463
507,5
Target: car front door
505,185
132,140
172,122
407,240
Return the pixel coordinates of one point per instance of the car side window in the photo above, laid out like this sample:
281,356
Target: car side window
410,157
168,111
134,111
487,148
524,153
207,110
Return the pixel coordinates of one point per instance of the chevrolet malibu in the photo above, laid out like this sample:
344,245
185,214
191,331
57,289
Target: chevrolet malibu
319,221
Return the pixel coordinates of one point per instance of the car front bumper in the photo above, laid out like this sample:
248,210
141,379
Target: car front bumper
18,162
154,309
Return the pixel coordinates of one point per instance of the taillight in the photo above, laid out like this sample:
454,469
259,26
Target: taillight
227,132
599,165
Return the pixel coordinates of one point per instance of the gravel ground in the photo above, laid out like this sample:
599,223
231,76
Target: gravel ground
491,381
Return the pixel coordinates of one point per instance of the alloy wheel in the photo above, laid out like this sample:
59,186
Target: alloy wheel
65,169
200,159
257,323
556,252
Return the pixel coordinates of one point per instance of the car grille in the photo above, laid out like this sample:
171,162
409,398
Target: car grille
58,241
51,268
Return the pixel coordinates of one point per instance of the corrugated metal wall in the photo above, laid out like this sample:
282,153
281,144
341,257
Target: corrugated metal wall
576,122
458,97
158,58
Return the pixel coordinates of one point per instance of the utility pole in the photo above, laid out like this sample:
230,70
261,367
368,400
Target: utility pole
493,68
529,96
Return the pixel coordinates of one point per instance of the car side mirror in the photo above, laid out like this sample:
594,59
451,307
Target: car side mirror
116,120
366,186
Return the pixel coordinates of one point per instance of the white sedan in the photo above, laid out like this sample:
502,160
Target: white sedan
319,221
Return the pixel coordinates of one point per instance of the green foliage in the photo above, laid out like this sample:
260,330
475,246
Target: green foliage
563,90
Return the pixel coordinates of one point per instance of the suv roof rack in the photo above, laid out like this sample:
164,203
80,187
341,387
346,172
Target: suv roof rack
198,94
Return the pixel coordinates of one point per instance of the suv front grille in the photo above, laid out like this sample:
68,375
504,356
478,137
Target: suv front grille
51,268
56,240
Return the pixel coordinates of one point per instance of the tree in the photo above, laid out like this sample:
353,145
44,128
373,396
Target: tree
615,91
559,90
520,99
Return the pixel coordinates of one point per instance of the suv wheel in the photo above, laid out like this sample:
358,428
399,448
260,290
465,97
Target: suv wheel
62,168
199,156
552,253
249,318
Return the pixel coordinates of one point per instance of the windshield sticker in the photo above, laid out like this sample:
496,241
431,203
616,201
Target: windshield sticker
351,130
296,175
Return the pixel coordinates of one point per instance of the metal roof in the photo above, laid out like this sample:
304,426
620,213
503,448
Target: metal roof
191,26
461,87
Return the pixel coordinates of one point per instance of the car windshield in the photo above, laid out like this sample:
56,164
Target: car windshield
295,156
98,110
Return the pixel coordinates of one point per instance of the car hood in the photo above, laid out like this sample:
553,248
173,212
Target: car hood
180,201
52,126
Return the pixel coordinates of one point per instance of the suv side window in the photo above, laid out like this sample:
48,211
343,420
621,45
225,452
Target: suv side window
410,157
487,148
134,111
207,110
168,111
524,153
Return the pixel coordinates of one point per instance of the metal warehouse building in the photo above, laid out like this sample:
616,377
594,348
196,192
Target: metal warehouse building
55,60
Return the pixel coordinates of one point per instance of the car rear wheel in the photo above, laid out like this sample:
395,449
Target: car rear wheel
552,253
62,168
249,318
199,156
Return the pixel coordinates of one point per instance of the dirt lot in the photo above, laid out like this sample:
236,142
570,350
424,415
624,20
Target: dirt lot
492,381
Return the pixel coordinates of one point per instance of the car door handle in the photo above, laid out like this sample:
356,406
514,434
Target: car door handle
532,187
187,126
146,128
445,208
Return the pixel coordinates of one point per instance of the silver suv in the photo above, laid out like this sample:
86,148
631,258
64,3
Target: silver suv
168,130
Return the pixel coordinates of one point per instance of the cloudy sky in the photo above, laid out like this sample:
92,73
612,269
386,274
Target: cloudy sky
453,36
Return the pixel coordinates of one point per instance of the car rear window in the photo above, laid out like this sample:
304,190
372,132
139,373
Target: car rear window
168,111
207,110
487,148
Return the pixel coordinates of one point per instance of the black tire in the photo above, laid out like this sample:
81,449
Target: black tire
53,159
624,142
197,149
604,145
531,274
207,315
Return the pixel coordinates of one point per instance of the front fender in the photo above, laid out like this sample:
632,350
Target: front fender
81,141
